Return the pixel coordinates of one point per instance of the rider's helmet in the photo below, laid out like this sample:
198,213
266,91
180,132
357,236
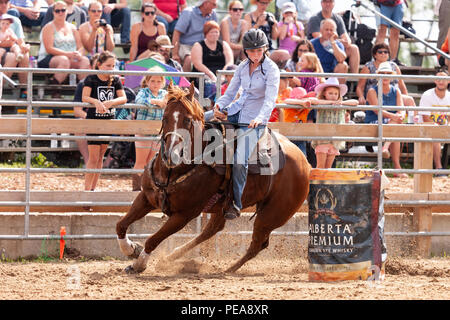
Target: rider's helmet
254,39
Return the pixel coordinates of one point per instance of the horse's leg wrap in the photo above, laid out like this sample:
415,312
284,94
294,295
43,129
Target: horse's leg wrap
128,248
140,264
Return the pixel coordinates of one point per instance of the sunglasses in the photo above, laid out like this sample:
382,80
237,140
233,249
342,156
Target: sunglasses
383,51
96,11
60,10
147,13
303,50
237,9
264,3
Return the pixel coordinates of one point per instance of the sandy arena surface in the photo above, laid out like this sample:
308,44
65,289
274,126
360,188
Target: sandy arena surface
203,279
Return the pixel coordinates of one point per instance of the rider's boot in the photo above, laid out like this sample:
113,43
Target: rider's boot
232,211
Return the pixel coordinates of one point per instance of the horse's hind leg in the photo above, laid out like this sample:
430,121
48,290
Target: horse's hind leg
138,210
215,224
260,240
175,223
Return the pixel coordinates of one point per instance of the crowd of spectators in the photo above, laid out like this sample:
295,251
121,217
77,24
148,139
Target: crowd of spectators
191,38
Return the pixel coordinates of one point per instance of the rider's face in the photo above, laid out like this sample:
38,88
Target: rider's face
255,55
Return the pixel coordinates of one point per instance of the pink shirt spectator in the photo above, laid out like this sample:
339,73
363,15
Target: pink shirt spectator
169,7
287,43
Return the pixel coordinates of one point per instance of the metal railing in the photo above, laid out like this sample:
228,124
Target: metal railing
29,137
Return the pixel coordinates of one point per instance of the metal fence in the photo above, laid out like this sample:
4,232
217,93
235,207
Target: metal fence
29,137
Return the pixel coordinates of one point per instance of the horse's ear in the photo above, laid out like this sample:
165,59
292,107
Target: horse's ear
191,91
170,87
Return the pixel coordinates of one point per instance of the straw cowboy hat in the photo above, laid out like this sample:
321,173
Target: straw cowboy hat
331,82
385,67
164,41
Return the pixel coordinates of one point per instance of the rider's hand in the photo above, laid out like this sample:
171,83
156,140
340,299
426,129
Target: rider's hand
219,115
254,123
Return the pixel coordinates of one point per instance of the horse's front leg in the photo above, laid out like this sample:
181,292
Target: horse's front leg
140,207
176,222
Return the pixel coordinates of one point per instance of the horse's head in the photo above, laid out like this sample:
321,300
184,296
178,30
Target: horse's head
182,114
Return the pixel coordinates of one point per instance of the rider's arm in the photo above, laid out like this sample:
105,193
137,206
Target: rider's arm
232,90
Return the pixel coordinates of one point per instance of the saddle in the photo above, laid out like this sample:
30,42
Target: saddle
267,158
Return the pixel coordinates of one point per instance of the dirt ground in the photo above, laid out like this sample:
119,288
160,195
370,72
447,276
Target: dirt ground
260,278
203,280
75,182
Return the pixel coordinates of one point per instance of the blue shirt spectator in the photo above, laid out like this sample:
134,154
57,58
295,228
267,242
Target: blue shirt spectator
189,30
325,55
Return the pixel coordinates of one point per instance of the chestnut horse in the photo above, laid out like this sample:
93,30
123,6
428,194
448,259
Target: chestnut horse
184,190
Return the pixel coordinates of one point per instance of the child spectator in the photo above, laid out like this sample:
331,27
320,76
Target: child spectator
328,93
7,34
284,92
228,78
104,92
309,62
153,96
391,97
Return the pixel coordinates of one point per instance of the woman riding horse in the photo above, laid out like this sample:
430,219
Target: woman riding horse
259,78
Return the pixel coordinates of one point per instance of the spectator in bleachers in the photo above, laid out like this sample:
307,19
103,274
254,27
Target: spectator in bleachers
291,65
8,35
445,48
436,97
391,97
75,14
165,49
96,35
9,59
303,8
394,12
118,14
232,29
210,55
189,30
261,19
380,54
145,31
314,25
29,12
329,49
168,12
61,46
291,31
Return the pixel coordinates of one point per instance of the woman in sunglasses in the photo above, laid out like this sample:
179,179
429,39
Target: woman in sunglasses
263,20
381,53
143,32
96,35
61,46
233,28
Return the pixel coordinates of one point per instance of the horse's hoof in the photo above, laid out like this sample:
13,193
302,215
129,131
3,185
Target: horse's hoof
137,250
131,270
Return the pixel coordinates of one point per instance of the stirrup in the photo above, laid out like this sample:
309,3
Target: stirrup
232,212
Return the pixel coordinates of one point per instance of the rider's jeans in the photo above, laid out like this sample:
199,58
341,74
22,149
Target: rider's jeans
245,147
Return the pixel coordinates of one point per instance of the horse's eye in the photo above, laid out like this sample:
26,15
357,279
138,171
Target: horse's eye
187,121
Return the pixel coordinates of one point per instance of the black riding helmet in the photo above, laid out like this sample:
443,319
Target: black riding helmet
254,39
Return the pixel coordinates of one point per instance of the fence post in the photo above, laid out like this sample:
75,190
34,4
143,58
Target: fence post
423,183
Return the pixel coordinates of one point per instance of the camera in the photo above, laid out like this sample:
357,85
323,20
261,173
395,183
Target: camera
102,23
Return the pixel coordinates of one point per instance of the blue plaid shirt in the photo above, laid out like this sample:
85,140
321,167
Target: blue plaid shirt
154,112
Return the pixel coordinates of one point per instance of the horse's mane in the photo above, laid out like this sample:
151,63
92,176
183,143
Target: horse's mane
188,101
